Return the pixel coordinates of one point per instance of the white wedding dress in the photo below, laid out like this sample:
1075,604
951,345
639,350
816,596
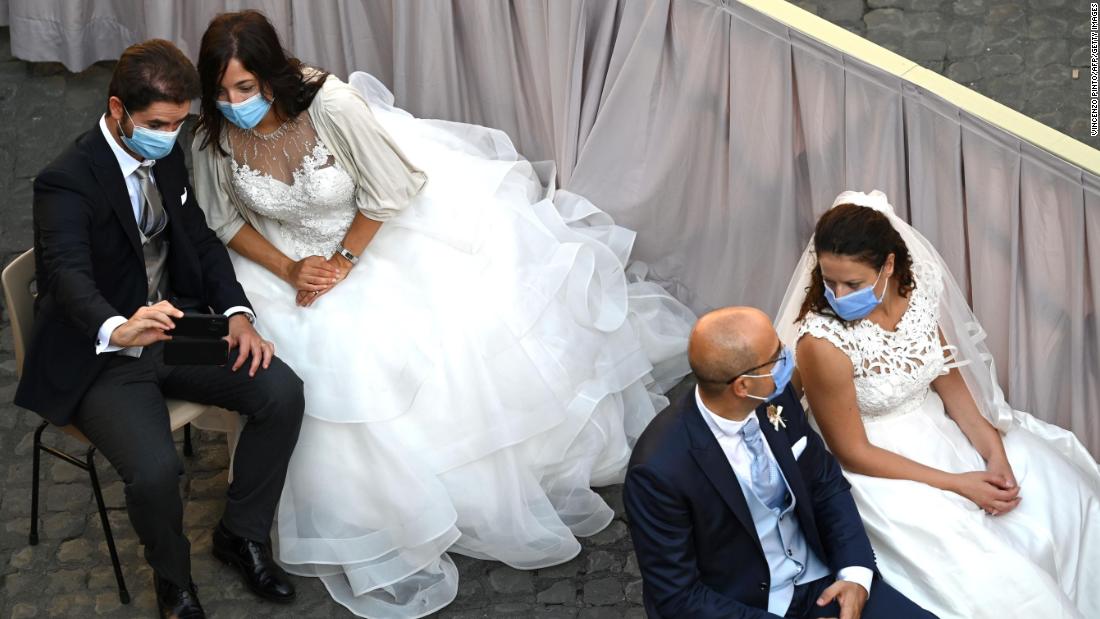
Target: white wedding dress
489,359
1040,560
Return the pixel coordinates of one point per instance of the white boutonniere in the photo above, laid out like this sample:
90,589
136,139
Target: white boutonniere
775,416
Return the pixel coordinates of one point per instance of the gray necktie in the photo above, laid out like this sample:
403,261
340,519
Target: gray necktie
152,210
767,482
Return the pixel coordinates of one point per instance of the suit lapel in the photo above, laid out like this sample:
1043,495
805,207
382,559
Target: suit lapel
709,456
781,448
167,184
109,177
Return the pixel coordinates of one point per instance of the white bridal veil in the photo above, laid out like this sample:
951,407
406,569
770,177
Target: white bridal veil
964,335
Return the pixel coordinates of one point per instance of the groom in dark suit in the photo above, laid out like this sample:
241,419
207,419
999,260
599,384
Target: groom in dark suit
736,508
121,250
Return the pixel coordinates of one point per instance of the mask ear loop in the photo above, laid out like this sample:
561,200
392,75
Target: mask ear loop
769,374
884,288
119,123
785,354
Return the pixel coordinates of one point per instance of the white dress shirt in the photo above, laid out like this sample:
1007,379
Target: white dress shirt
128,165
727,432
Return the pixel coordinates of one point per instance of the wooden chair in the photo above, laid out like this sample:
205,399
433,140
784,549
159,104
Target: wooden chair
19,293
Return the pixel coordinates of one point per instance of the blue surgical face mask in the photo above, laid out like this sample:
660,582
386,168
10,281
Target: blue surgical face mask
246,114
781,374
149,143
855,305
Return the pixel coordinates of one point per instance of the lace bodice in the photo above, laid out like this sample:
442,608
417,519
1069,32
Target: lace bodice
290,177
893,370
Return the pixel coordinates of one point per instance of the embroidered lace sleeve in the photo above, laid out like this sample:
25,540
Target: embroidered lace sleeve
834,332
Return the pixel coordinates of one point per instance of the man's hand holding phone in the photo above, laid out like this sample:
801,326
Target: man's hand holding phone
147,326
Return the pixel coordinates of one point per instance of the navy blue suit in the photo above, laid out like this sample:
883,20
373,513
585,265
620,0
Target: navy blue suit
697,546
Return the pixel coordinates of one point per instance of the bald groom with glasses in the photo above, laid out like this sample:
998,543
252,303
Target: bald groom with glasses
736,508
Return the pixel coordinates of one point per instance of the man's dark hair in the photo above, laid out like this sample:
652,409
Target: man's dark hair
155,70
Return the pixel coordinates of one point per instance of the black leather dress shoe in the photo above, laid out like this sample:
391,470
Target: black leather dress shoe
253,560
176,603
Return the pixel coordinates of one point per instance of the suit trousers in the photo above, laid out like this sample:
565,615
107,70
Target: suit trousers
125,416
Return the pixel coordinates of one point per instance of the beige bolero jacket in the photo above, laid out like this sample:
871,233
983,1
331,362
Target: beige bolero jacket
385,180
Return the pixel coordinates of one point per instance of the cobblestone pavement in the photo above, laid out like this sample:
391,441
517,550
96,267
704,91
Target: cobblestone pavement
1021,53
68,574
1018,52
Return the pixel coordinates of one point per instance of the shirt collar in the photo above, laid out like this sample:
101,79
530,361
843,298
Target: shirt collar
719,425
126,161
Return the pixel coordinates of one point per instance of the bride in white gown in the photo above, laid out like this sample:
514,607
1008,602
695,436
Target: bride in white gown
487,359
974,510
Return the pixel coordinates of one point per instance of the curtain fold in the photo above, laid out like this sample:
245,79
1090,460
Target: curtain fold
715,132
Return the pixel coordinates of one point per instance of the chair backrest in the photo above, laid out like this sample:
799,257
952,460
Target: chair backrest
18,279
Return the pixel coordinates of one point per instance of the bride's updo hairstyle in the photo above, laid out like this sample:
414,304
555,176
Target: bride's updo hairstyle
250,38
862,234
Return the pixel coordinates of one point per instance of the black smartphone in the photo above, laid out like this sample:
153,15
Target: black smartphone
201,325
196,351
197,340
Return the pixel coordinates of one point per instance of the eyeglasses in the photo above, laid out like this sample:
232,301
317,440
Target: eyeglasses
779,355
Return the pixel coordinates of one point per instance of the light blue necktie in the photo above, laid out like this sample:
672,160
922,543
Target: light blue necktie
767,482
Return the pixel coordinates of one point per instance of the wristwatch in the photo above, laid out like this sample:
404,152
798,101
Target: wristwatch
248,315
350,257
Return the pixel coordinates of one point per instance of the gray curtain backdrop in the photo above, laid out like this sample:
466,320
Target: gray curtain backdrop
718,134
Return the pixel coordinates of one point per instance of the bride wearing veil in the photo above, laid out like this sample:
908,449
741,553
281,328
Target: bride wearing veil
974,509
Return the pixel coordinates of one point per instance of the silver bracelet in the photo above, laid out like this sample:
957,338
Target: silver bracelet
350,257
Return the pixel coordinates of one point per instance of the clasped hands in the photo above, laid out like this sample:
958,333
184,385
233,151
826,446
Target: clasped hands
314,276
994,490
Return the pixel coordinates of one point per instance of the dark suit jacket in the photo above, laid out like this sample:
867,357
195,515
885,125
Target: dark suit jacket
89,267
697,546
